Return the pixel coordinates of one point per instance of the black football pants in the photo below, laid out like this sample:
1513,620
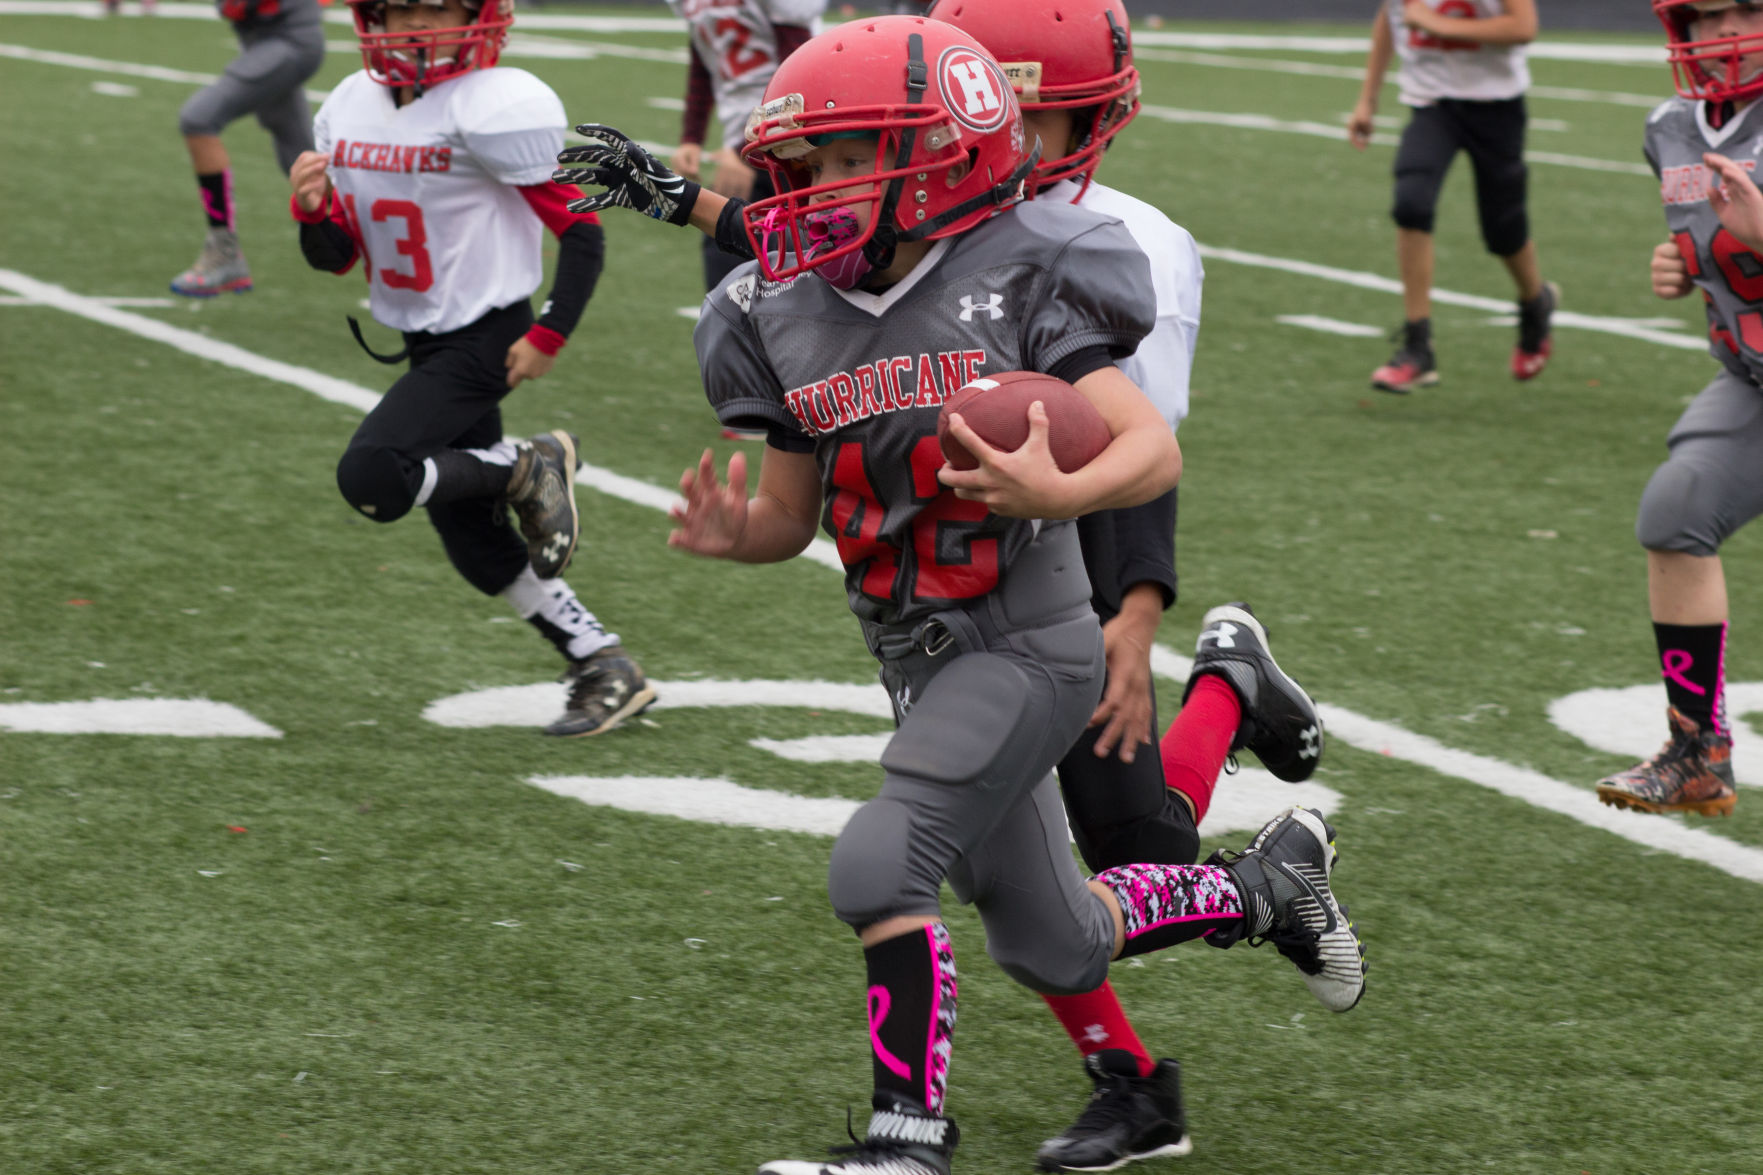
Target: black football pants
1493,135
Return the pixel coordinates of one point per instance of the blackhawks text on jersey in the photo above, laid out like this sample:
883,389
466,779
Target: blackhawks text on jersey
861,376
1729,275
1436,67
429,190
735,42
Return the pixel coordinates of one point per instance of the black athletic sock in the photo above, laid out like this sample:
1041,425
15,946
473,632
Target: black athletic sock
459,474
911,1011
1692,661
1417,334
217,198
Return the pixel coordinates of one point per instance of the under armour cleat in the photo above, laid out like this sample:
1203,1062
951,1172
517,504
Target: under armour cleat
1288,900
1279,724
541,490
1691,773
1531,354
605,688
1129,1117
220,269
901,1140
1413,365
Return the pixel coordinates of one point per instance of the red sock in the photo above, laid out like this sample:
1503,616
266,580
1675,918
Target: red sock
1096,1021
1198,742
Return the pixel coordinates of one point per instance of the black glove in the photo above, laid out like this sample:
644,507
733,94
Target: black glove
632,177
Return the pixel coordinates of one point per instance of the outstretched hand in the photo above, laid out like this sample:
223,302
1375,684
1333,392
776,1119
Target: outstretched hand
712,517
1736,200
1020,483
632,178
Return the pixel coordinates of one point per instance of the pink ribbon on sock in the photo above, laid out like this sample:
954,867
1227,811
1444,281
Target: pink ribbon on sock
879,1002
1675,662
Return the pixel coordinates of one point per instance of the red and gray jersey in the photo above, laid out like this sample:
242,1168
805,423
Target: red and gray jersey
1729,275
1431,68
860,377
736,41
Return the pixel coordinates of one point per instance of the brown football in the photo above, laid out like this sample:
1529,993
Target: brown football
996,407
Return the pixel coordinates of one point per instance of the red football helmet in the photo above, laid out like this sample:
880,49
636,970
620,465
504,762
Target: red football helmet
1711,70
1060,55
930,97
428,58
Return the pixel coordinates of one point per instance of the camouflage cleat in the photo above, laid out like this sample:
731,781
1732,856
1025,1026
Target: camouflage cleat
1279,724
541,491
220,269
1285,876
1691,773
605,688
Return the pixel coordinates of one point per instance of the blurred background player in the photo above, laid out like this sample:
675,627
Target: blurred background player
1712,480
1070,63
900,161
1463,74
736,46
433,168
281,45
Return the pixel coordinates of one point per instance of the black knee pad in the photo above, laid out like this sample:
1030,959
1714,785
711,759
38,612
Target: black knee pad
1680,511
1417,200
870,876
1168,838
376,481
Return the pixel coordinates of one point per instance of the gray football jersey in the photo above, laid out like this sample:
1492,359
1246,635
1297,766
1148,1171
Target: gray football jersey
1729,275
861,376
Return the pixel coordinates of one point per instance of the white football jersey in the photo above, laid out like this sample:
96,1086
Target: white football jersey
1432,67
1164,361
735,41
430,190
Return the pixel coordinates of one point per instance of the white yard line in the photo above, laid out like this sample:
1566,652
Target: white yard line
1332,326
158,73
1624,327
1354,73
1367,734
1338,133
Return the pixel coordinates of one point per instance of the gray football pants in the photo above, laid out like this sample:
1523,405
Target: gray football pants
1712,483
987,700
267,79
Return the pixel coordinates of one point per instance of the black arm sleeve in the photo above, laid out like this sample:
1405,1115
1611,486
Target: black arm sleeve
581,255
1080,363
1129,546
731,234
327,245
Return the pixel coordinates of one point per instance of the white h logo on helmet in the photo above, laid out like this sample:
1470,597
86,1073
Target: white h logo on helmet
973,88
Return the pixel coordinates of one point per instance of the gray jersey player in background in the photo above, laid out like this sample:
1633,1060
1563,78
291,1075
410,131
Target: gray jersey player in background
281,44
1712,480
896,265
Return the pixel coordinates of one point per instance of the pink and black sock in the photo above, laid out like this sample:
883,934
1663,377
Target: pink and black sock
217,198
1692,659
1167,904
911,1010
1197,743
1095,1021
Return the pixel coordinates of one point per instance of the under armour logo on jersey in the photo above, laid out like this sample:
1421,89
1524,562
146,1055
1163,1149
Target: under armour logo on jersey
993,305
1224,635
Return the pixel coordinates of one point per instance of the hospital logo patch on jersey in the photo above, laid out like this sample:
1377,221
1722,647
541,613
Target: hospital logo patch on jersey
741,292
974,89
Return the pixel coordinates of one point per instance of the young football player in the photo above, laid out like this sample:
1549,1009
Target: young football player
897,262
1463,74
433,169
1710,484
1070,63
281,45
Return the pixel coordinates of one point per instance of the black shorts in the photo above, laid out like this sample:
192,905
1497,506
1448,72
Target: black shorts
1493,135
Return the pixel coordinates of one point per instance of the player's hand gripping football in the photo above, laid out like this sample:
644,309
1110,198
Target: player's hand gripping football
1736,201
1670,271
712,517
1024,483
311,180
632,178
